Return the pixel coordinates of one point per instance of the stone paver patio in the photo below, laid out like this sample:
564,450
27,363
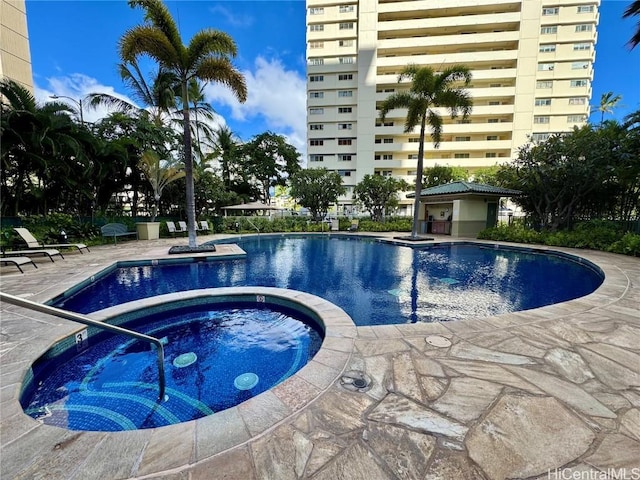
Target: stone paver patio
549,393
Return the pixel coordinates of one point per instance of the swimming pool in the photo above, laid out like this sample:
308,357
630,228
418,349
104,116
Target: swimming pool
376,283
217,355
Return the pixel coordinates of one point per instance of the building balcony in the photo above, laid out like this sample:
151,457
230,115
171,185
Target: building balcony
467,58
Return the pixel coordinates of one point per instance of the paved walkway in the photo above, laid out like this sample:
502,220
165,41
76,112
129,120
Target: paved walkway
550,393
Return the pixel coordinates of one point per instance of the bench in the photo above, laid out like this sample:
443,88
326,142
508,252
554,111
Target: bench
116,230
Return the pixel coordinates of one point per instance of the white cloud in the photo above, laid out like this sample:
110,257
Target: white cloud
232,18
275,95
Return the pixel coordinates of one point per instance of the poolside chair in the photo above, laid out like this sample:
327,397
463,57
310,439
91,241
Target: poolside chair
183,227
18,261
354,225
335,225
204,226
32,253
171,227
32,242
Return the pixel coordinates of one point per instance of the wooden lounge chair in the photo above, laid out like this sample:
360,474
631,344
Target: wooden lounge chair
18,261
32,253
32,242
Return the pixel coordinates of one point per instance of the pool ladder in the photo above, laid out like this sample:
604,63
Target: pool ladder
75,317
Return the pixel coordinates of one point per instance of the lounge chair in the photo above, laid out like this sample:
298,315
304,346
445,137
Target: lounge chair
183,227
32,242
171,226
32,253
204,226
354,225
18,261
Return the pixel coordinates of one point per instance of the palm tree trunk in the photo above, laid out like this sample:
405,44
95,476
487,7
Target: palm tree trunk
416,202
188,167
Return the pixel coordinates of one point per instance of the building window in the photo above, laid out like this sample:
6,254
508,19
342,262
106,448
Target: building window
344,173
462,139
386,173
492,137
316,11
316,143
550,11
549,30
493,102
581,47
316,28
346,60
345,93
346,8
316,158
387,140
543,102
387,156
316,94
413,156
540,137
492,120
377,140
345,109
575,118
316,61
585,9
541,119
577,101
460,155
345,76
316,78
414,140
316,111
345,126
344,141
579,65
388,124
376,157
587,27
545,67
316,44
344,158
412,172
490,155
316,126
345,43
544,84
547,48
578,83
346,26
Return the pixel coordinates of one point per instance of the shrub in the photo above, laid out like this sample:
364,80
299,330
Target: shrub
629,244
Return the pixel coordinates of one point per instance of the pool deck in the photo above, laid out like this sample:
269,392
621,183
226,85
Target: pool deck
549,393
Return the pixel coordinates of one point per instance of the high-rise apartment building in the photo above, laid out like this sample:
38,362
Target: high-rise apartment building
532,64
15,57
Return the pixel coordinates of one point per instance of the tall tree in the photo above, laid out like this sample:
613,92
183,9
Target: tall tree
441,174
225,144
608,102
429,90
633,10
316,189
207,57
379,194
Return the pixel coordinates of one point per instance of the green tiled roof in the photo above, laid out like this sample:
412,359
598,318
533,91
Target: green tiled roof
466,187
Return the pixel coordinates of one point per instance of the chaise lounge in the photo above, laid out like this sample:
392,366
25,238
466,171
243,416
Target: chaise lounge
33,243
18,261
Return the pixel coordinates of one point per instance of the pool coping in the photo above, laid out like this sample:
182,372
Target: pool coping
255,418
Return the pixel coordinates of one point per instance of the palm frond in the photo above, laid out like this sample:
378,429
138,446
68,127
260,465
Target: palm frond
96,100
150,41
158,15
395,100
221,70
209,42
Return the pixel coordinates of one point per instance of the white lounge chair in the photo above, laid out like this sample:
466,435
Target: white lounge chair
354,225
183,227
204,226
171,226
32,242
17,261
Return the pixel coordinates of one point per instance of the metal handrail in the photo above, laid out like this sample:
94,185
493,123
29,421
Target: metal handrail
75,317
253,225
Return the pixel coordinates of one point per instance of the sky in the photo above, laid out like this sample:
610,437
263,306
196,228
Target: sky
74,51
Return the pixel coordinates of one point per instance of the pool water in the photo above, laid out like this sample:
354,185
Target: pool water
376,283
214,359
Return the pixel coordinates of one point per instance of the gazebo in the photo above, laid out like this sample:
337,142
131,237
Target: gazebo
250,207
460,209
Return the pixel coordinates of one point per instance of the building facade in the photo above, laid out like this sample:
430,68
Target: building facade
531,60
15,56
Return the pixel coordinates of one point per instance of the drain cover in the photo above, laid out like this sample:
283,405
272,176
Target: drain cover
356,381
438,341
246,381
184,360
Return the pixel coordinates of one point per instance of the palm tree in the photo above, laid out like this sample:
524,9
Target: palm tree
429,90
608,102
225,144
195,96
633,10
207,57
159,173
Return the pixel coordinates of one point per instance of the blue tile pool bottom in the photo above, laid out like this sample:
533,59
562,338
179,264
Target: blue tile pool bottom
375,282
112,383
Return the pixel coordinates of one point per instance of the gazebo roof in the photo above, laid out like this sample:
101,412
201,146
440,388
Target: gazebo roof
465,188
251,206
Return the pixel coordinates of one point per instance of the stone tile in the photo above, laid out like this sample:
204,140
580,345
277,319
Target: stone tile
406,453
400,411
295,392
467,398
471,352
490,372
355,463
404,377
612,400
339,344
387,331
433,387
630,424
518,346
346,418
618,354
235,464
609,372
426,366
424,328
490,339
16,425
318,375
219,432
379,369
262,412
324,450
625,336
616,451
332,358
157,457
569,365
448,465
368,348
366,332
568,392
283,454
525,436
